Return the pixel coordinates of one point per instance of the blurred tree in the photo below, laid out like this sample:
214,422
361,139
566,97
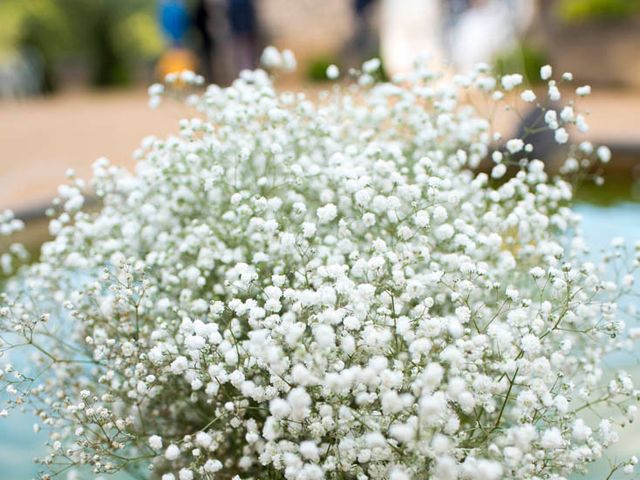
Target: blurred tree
584,10
109,36
41,22
99,24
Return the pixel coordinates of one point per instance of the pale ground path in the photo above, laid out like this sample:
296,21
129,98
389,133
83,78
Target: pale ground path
41,138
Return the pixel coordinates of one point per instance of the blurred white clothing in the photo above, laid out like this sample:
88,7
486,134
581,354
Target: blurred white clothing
482,32
410,29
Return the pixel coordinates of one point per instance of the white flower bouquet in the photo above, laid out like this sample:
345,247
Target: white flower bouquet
329,289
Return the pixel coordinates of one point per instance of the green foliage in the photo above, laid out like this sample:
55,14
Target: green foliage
107,35
317,68
16,18
525,58
585,10
617,188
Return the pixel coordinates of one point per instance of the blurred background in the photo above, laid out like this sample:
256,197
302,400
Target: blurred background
74,73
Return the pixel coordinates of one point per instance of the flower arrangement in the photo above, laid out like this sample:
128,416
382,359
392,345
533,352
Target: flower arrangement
297,289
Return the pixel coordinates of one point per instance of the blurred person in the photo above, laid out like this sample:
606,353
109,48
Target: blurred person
243,23
20,75
364,43
218,27
410,29
458,33
482,31
453,10
456,7
202,20
486,28
174,21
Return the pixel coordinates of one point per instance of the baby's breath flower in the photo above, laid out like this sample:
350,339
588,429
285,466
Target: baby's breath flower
554,92
332,72
371,66
172,452
327,289
604,154
499,170
515,145
271,58
561,135
583,91
528,96
509,82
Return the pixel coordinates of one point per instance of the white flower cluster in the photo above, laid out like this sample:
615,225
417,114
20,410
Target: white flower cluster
304,290
16,253
9,224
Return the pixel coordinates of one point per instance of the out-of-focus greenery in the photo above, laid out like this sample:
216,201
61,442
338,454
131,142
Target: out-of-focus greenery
108,36
525,58
616,188
584,10
316,70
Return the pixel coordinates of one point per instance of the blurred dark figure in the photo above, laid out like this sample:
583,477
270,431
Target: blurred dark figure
202,21
244,33
364,43
457,7
361,6
453,10
35,41
544,145
108,68
365,40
